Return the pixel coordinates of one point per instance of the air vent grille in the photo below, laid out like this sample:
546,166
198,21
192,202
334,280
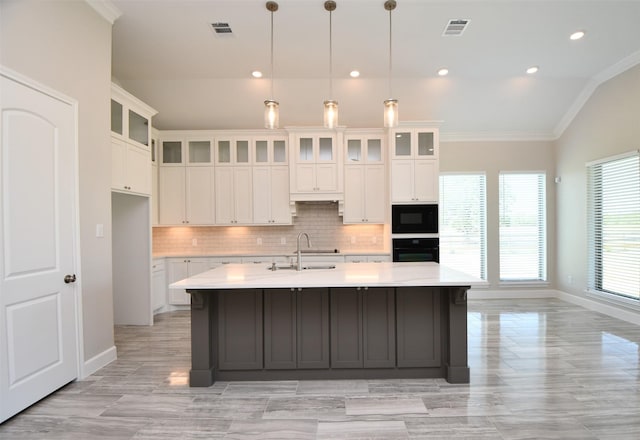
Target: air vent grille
455,27
221,28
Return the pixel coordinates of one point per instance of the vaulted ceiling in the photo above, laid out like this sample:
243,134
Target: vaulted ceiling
166,53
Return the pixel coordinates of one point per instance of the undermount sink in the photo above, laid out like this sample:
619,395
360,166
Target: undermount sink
274,267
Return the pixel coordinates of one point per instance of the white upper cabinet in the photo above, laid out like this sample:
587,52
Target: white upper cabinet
414,164
233,151
365,184
316,165
233,196
130,143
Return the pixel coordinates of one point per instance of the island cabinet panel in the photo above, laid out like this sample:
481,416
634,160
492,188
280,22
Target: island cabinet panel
379,328
313,328
418,327
240,329
280,329
363,328
346,328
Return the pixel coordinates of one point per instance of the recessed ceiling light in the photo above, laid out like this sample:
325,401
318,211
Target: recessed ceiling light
576,35
443,72
256,74
531,70
354,74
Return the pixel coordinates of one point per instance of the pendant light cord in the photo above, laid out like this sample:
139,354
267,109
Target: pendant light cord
390,54
330,57
272,55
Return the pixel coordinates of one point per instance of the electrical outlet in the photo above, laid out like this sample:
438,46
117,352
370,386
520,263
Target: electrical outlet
353,239
374,239
283,240
194,242
259,241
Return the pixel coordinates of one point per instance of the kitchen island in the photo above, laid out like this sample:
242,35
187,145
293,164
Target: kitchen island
344,321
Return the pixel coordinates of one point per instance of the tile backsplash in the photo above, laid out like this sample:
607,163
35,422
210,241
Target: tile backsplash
320,220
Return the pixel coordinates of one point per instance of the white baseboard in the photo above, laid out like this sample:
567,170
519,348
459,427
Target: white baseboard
98,361
596,306
511,294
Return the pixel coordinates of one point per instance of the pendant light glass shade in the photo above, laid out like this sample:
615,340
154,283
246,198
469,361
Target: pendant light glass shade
271,114
391,113
271,106
330,105
390,105
330,114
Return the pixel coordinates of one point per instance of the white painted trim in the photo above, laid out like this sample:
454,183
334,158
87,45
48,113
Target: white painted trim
35,85
98,361
511,294
496,137
604,76
606,309
106,9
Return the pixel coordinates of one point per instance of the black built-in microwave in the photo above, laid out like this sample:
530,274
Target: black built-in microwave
414,219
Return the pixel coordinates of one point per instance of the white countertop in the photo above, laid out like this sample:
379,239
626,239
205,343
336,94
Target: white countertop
254,276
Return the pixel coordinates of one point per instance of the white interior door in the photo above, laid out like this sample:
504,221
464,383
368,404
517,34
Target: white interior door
38,336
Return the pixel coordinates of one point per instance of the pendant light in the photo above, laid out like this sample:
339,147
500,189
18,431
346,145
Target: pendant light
391,104
330,105
271,106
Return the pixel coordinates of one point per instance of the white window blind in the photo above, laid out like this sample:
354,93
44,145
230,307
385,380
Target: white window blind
613,220
463,223
523,254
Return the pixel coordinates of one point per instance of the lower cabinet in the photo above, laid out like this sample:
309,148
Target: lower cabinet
321,328
240,329
158,285
179,269
363,328
418,315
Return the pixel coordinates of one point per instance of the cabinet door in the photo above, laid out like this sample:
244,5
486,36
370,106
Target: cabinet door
305,177
242,193
379,328
280,211
118,164
326,177
177,269
240,329
346,328
312,323
418,328
279,329
354,190
155,219
402,181
224,195
138,170
198,265
171,188
375,200
199,198
158,289
426,180
262,192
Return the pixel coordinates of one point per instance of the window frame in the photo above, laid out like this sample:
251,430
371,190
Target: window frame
595,286
542,234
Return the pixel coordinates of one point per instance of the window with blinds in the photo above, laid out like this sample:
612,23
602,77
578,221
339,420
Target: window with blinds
463,223
523,231
613,221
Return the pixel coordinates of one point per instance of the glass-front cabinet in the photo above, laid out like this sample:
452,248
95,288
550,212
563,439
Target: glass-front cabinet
131,143
414,143
316,165
233,151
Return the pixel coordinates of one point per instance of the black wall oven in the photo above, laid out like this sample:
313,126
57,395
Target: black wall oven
416,249
414,219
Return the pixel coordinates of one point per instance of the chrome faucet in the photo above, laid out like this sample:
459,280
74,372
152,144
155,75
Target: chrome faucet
299,266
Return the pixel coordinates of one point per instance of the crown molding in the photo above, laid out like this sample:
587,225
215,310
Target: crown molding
106,9
602,77
495,137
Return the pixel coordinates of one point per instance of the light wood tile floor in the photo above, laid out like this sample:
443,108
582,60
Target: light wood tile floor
541,369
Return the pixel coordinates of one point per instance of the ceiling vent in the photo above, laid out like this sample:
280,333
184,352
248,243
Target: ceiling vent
455,28
221,29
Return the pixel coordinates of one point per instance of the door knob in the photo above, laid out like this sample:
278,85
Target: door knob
70,278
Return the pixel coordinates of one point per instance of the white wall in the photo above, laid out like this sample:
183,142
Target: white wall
491,158
66,45
608,124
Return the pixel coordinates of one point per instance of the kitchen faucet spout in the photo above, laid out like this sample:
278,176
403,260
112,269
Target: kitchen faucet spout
299,251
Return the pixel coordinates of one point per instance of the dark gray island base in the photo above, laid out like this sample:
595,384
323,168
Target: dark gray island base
328,333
